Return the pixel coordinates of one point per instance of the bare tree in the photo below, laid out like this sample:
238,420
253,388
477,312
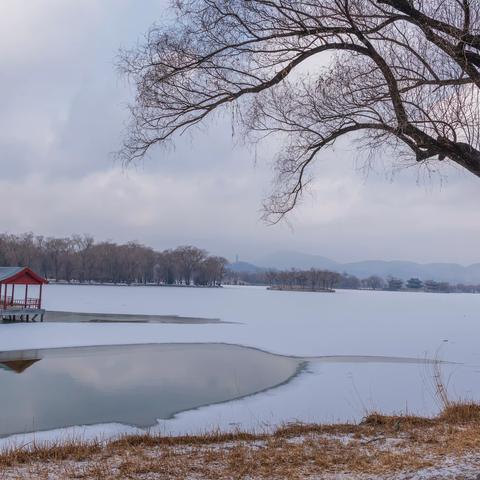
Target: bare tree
403,74
83,246
188,259
210,271
165,269
374,282
56,250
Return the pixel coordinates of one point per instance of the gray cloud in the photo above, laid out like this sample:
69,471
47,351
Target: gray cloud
63,110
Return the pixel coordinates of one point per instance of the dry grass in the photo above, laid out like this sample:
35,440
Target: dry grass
379,446
461,412
76,450
396,422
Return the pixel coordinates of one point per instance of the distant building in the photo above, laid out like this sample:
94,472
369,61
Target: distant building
432,286
395,284
414,284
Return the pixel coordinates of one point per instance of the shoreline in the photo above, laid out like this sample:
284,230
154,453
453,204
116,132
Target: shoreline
55,316
381,446
300,289
121,284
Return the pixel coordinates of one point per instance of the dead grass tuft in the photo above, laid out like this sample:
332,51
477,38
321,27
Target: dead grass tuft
396,422
72,450
460,412
153,440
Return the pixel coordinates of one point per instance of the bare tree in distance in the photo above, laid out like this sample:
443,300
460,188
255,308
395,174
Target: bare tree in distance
188,259
374,282
399,74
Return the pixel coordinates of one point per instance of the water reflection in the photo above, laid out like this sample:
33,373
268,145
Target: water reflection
18,366
47,389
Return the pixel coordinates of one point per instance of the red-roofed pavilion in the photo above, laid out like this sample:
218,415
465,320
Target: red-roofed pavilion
19,302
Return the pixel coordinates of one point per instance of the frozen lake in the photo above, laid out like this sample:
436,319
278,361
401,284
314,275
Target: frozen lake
364,350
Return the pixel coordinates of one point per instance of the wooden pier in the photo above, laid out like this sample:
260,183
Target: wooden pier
22,314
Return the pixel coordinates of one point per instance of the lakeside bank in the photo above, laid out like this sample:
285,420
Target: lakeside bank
394,447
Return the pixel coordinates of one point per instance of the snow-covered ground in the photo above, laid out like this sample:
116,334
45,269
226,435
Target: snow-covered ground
350,323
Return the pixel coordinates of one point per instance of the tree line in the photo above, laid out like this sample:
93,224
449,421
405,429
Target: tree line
80,258
316,279
313,279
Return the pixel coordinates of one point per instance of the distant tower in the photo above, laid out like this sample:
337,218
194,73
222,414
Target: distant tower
236,258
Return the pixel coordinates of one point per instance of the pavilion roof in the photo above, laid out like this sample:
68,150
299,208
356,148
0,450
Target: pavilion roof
7,272
12,273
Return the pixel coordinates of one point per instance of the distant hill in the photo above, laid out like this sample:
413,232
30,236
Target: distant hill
285,260
447,272
244,267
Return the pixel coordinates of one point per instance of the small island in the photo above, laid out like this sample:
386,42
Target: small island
313,280
294,288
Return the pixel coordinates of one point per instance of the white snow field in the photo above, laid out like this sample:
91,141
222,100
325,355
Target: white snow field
357,328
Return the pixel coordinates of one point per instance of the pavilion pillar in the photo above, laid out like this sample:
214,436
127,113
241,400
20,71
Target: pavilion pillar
5,296
40,299
13,293
26,296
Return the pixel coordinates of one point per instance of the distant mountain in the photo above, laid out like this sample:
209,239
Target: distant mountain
286,260
244,267
447,272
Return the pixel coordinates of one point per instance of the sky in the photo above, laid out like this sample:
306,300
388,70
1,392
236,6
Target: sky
63,114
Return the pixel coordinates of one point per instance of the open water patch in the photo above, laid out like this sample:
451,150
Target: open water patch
133,385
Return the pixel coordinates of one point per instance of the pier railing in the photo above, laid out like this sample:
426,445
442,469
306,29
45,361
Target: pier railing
9,302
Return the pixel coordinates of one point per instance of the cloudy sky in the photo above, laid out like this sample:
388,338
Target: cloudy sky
63,112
